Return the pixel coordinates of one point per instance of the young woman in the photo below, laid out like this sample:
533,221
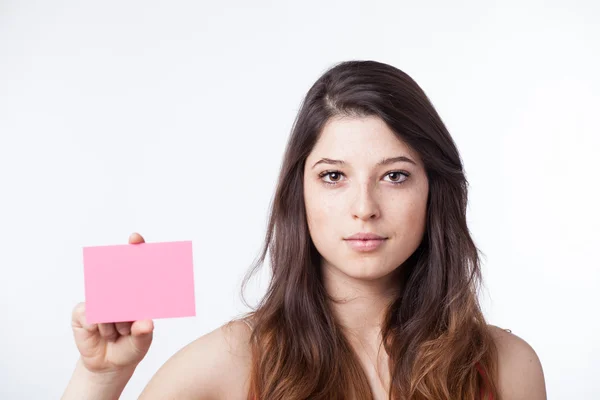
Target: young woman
374,273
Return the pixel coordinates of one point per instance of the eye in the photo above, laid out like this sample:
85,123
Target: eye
334,177
397,177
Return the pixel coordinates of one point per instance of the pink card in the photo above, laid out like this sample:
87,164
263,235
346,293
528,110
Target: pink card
131,282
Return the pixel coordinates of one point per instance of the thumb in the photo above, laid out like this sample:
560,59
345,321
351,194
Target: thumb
136,238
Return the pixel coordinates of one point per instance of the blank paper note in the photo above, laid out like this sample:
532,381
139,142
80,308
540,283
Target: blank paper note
139,281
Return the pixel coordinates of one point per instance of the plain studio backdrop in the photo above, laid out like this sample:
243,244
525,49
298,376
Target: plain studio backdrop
170,119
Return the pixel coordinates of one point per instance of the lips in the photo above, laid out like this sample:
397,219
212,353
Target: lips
365,236
365,245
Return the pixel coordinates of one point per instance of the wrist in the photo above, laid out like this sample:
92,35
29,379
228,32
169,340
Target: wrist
105,378
98,385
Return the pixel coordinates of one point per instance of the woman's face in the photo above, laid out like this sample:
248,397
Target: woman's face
365,190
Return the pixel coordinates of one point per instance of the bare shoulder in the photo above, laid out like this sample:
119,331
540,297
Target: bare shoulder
520,374
213,367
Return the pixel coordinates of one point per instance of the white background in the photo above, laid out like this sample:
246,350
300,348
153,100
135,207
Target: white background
170,119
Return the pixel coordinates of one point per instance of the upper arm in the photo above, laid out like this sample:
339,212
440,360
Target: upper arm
520,374
214,366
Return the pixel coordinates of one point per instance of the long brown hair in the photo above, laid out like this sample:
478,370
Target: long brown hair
434,332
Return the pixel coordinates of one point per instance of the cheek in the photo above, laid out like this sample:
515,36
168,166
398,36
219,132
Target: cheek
322,215
409,220
324,222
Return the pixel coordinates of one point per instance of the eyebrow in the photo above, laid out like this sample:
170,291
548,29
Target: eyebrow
385,161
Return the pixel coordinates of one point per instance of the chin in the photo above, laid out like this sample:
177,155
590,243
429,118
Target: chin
367,272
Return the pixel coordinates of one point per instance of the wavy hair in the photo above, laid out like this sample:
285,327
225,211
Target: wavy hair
434,332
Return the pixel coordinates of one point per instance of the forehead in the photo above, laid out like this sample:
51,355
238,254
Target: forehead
360,139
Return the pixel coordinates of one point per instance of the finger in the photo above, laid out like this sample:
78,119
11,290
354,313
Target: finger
124,328
143,327
141,335
108,331
136,238
78,319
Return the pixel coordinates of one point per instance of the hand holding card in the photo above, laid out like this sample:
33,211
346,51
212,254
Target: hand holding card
125,287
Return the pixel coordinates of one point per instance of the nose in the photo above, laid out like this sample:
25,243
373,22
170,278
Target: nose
365,206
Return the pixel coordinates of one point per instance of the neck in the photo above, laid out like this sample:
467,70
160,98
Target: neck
360,305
